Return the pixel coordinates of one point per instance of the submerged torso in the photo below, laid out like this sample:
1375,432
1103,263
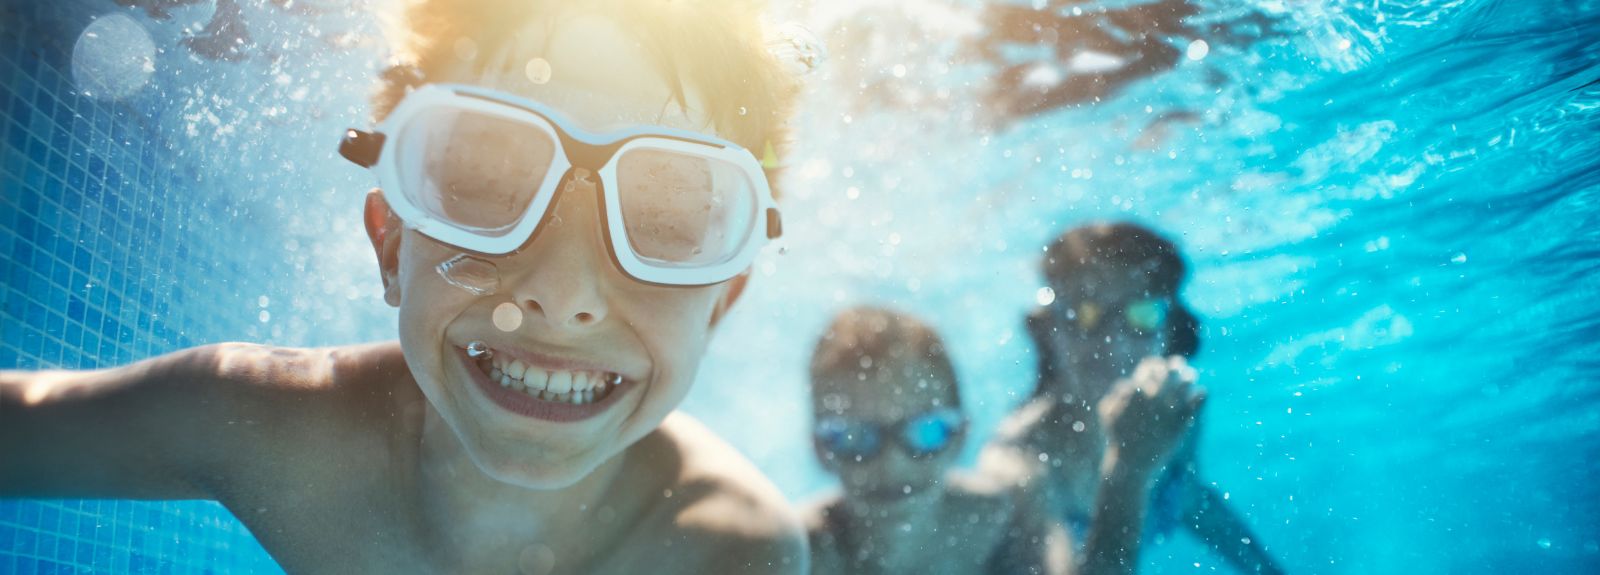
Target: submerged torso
962,536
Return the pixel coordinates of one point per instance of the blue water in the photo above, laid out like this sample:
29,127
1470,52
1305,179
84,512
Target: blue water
1392,212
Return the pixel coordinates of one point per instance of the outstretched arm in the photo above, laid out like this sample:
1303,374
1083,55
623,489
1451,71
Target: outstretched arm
162,428
1224,531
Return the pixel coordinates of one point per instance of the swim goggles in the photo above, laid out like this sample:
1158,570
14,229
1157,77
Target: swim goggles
1144,315
480,169
920,435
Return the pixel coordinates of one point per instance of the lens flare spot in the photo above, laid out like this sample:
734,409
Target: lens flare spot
113,58
536,559
507,316
538,70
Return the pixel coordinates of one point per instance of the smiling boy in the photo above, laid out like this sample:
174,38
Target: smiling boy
566,212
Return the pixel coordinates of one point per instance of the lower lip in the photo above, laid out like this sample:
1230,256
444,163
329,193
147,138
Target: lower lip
522,404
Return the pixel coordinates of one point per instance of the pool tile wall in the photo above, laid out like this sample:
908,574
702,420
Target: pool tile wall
111,250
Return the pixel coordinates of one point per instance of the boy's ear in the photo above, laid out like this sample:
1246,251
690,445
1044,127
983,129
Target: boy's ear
735,289
383,229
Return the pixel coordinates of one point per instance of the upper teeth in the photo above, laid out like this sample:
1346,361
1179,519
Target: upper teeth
576,387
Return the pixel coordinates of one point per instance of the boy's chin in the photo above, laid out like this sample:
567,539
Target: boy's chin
537,473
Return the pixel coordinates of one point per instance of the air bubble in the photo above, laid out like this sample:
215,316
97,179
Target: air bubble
475,275
1045,296
1078,426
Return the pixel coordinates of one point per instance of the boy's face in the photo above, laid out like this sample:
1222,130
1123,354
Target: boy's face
890,396
576,314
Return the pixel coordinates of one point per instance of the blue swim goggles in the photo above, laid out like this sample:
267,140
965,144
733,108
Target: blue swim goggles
479,169
920,435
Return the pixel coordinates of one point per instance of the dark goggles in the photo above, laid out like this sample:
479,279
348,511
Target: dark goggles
1148,315
920,435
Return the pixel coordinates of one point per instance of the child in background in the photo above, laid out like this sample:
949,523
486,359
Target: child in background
1116,316
888,421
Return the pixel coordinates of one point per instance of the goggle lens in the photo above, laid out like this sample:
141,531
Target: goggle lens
1146,315
930,433
921,435
684,210
848,439
475,170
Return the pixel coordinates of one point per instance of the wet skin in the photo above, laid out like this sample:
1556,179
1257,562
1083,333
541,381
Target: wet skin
956,524
388,457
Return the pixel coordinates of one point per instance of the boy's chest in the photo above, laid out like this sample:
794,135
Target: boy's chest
377,528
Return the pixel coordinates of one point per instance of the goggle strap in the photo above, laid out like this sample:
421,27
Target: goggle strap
361,148
774,224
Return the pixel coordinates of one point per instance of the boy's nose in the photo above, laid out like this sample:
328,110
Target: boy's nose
561,272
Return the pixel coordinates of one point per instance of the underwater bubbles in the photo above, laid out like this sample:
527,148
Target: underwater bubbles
113,58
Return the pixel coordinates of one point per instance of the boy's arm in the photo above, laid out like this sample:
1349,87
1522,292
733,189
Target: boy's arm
162,428
1224,531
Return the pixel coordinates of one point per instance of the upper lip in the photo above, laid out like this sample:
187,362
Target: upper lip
553,361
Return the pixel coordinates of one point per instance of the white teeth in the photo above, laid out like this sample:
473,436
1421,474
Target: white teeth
560,382
575,388
536,378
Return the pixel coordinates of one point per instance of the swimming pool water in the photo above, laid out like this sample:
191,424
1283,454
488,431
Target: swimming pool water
1392,212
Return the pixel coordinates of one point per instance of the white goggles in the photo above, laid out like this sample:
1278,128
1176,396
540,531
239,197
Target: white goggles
479,169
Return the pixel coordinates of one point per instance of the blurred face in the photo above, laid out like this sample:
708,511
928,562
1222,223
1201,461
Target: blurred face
615,356
889,435
1109,320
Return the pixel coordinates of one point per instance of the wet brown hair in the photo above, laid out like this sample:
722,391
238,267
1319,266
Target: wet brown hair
716,46
868,341
1128,245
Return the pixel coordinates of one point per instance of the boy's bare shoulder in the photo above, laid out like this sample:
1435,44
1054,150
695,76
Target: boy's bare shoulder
360,395
821,523
726,516
354,373
980,495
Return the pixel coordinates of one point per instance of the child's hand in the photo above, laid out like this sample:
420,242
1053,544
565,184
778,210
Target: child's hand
1147,415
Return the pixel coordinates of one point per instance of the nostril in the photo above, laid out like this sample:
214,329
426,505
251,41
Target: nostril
584,318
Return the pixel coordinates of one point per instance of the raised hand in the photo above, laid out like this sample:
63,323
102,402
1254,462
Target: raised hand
1147,415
